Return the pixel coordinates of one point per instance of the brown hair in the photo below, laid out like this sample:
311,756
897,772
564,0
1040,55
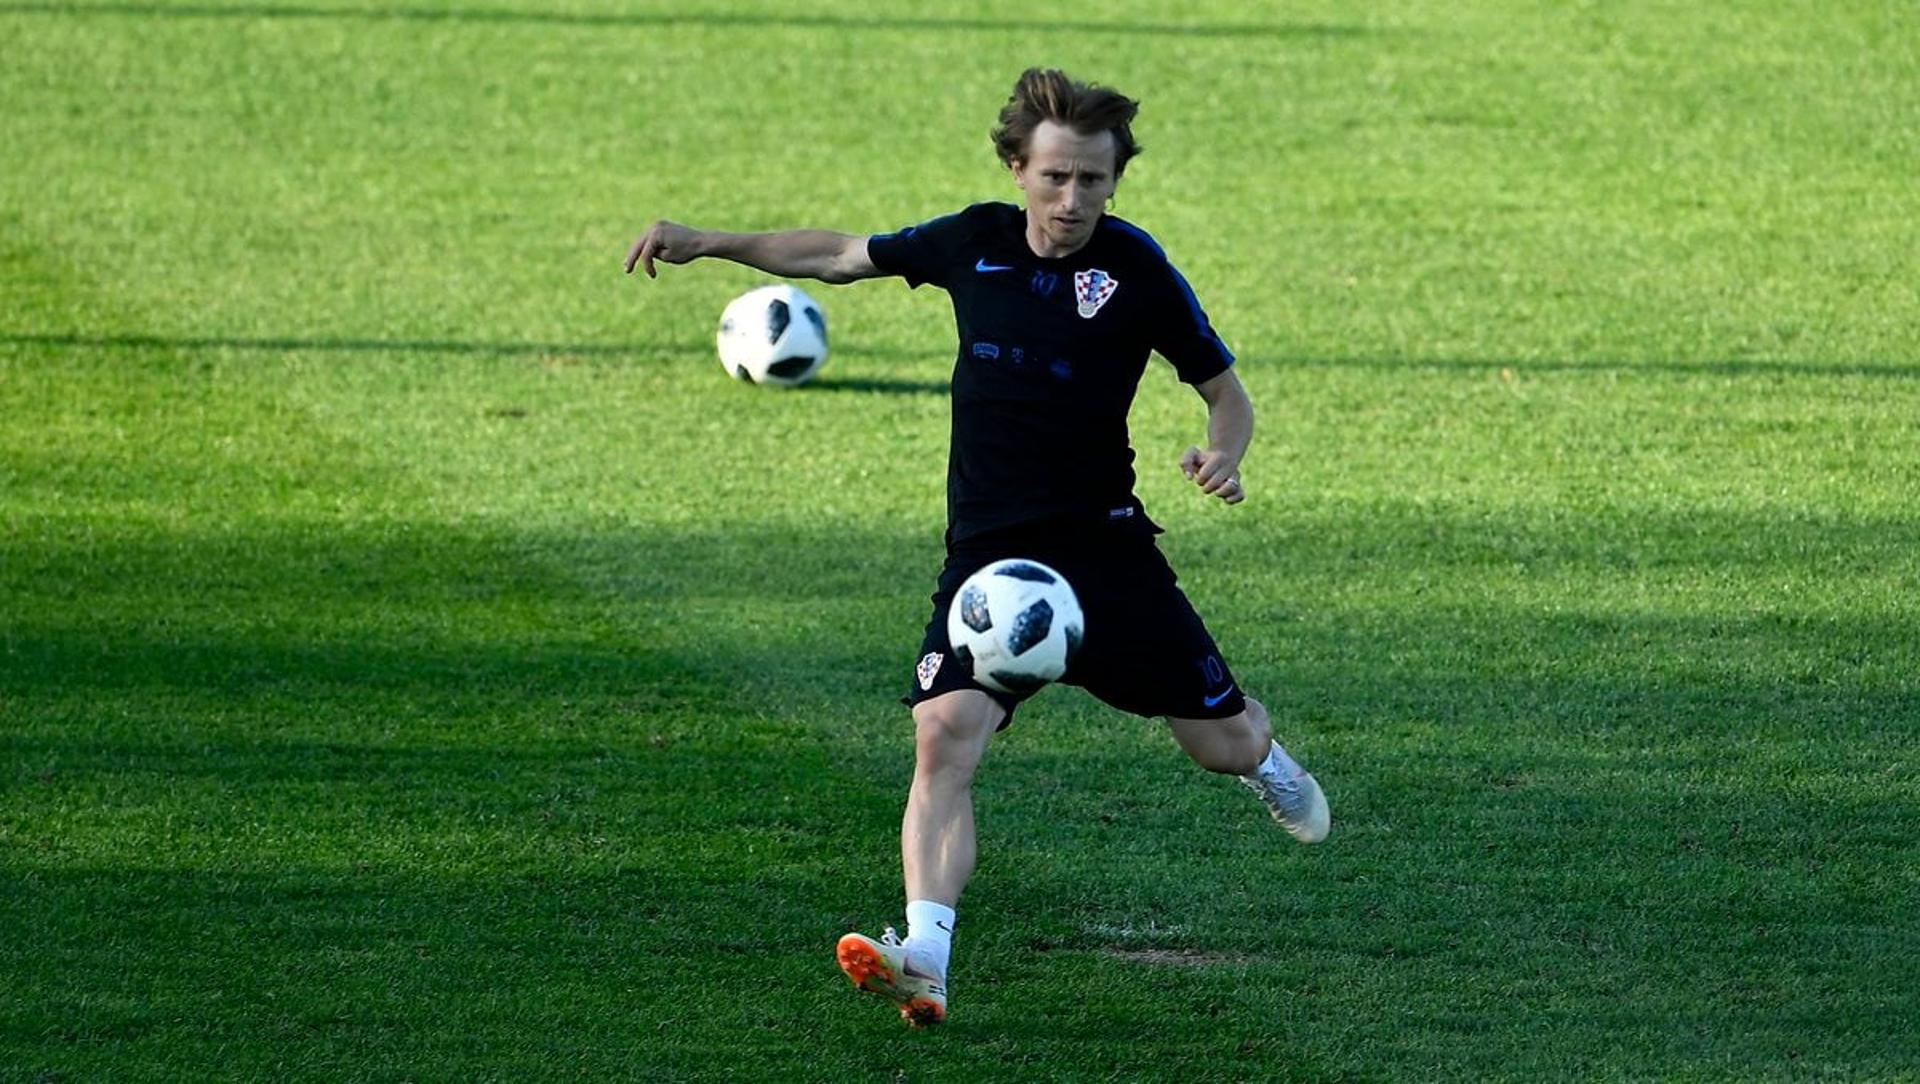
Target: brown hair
1052,95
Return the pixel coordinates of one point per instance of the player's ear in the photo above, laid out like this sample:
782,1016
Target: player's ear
1018,167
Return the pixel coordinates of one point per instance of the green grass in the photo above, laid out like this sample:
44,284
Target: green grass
418,661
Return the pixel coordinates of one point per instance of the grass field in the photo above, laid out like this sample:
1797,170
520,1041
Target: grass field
418,661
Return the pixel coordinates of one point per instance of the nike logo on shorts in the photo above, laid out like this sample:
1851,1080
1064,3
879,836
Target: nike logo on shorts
1210,701
983,266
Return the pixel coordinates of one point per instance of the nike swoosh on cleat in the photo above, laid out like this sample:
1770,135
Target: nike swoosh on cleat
983,266
1210,701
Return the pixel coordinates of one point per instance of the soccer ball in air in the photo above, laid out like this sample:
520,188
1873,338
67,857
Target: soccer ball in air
1016,624
773,335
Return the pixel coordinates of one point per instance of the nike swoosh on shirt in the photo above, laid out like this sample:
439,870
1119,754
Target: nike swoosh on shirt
983,266
1210,701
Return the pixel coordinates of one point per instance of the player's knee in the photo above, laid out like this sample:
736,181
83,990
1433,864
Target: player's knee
1250,738
1261,724
949,731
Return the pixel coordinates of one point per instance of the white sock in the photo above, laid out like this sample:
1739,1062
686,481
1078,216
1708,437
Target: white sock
930,934
1277,761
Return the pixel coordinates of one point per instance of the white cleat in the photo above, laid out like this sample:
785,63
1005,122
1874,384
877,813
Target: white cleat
882,967
1296,801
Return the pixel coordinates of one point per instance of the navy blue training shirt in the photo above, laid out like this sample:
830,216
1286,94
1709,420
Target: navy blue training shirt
1051,352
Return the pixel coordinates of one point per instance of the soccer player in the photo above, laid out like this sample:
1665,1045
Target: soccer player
1058,306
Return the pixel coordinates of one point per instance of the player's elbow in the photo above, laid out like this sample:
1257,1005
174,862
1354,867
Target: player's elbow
1225,392
836,275
848,263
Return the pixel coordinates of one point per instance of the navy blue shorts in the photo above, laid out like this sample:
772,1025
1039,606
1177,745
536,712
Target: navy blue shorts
1146,651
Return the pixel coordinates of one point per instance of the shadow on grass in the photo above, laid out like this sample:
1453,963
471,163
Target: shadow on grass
541,350
1889,370
645,622
227,972
350,345
274,793
449,606
718,19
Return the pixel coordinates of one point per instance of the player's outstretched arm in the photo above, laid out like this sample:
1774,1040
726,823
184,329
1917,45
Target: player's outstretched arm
1216,469
812,254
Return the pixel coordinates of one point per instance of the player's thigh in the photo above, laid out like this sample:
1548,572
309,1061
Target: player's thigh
1147,651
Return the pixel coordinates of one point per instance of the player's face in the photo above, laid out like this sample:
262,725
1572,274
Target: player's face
1068,178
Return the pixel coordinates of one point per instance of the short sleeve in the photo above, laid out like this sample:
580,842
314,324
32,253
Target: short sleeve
1185,336
923,253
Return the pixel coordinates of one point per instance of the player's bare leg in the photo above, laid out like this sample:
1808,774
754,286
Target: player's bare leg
936,852
1232,746
936,834
1243,745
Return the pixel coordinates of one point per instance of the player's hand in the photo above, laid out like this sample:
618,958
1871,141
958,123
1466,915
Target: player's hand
1214,472
668,242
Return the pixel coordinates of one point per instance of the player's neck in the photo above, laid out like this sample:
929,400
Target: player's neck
1046,248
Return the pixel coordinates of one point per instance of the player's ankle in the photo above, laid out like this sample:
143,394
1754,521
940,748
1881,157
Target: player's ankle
930,935
1277,762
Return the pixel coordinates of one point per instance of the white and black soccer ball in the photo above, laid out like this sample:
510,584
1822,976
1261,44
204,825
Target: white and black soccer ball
1015,624
773,335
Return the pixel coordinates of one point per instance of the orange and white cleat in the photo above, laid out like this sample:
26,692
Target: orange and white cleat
882,967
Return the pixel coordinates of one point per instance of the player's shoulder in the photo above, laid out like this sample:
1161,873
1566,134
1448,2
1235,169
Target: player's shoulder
990,211
970,221
991,216
1135,243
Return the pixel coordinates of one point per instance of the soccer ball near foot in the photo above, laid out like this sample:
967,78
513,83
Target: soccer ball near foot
1016,624
773,335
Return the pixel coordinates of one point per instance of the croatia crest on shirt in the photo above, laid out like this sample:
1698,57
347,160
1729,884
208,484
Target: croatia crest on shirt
1091,290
